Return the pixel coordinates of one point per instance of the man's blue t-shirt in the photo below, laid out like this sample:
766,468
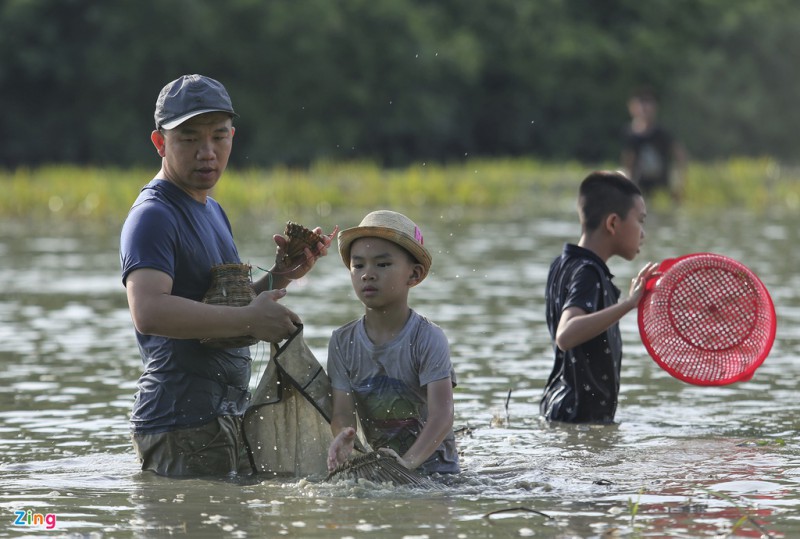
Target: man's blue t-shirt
184,383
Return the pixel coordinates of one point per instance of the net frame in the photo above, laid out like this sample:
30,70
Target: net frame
707,319
379,468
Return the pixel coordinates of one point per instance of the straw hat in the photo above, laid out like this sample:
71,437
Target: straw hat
391,226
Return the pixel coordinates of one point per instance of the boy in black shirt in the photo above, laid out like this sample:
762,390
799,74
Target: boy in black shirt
583,307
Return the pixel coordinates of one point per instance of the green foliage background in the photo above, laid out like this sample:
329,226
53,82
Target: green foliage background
399,82
329,191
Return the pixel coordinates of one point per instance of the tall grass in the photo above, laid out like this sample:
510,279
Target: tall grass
514,186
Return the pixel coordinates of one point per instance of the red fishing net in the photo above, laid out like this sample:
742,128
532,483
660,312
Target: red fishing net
707,319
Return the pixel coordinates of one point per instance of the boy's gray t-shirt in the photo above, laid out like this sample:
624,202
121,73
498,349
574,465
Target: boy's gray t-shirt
388,384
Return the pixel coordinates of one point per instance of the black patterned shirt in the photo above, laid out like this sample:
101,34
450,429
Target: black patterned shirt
584,384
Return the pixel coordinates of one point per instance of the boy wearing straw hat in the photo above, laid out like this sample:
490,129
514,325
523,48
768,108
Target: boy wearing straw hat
392,366
583,307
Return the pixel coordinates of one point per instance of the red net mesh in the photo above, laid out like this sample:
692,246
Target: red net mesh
707,319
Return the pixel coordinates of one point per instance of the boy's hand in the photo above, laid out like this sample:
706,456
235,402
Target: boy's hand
392,453
638,283
341,447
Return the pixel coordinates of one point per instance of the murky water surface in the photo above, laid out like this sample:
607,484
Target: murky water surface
684,461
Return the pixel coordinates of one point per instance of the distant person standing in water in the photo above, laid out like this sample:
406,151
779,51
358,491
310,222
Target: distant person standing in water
651,156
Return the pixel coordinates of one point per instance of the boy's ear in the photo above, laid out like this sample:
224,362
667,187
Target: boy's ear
416,275
611,223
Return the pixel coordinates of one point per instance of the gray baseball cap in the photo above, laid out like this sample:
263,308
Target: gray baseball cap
188,96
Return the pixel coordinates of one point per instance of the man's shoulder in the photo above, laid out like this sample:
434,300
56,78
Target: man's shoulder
152,198
149,214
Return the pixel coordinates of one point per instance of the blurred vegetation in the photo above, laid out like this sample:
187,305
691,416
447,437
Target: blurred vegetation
399,82
518,187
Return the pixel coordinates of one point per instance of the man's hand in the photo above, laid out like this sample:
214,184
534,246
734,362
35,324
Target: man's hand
295,268
271,321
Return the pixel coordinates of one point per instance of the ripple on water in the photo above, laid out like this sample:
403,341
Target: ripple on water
689,459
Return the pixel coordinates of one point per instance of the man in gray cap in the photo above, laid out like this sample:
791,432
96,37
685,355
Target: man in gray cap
186,417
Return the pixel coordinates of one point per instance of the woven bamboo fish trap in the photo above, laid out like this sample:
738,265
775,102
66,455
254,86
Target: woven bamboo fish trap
298,238
230,285
379,468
